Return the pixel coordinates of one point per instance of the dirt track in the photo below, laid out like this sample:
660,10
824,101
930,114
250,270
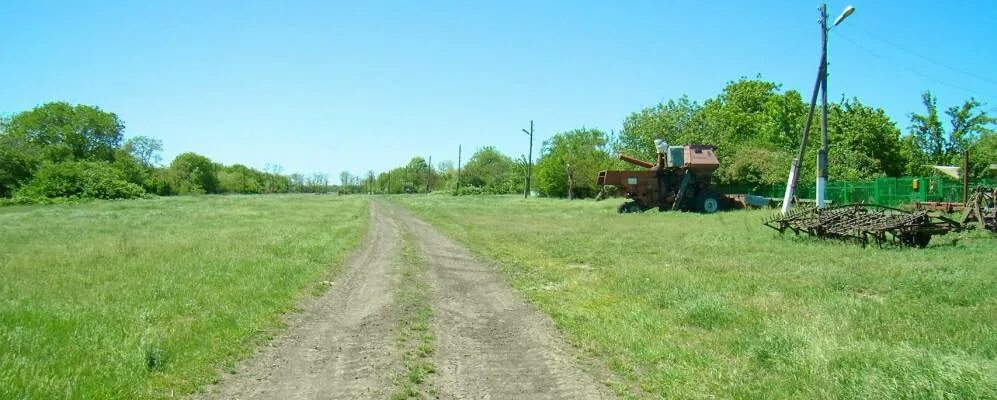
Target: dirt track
489,343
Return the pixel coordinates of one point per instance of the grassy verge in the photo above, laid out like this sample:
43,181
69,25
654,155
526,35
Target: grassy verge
696,306
147,298
415,340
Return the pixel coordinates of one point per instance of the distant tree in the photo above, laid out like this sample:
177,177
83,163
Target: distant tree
864,143
238,178
194,173
983,154
319,183
18,161
344,178
969,125
297,182
749,116
65,132
446,176
673,121
491,171
275,183
570,161
370,182
927,131
756,130
145,149
413,175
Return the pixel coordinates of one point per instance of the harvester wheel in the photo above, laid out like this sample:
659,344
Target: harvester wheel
708,202
922,240
629,207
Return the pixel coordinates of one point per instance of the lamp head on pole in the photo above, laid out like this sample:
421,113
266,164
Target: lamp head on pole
844,14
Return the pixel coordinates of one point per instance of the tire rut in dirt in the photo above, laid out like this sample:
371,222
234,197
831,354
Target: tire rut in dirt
491,344
341,346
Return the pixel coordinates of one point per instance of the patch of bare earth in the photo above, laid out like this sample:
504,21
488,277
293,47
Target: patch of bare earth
488,342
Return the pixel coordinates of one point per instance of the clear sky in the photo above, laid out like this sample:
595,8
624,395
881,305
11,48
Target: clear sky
329,86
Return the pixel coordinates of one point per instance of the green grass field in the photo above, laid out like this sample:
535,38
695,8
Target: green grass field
149,298
719,306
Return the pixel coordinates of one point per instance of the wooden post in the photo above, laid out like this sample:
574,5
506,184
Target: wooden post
965,176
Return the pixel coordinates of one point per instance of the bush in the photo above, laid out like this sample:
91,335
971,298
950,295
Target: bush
470,190
194,174
79,180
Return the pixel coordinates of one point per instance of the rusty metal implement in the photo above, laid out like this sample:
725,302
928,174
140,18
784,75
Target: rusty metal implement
865,223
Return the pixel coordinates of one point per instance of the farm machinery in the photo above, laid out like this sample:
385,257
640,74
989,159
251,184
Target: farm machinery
871,223
679,180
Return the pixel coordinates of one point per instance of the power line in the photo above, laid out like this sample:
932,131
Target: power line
906,67
926,58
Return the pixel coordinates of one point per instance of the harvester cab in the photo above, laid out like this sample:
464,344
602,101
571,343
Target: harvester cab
679,180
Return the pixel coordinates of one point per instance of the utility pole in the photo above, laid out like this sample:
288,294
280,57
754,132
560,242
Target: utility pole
820,85
429,173
529,162
457,192
822,153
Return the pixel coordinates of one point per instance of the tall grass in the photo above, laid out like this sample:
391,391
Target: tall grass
148,298
703,306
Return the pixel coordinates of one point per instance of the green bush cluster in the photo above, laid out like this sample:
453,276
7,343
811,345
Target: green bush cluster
79,180
58,152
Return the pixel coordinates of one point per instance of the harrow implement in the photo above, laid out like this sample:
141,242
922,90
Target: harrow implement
864,223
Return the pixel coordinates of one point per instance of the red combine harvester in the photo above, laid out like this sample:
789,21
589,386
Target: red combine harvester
680,180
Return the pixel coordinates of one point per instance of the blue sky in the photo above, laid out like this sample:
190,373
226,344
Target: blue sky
330,86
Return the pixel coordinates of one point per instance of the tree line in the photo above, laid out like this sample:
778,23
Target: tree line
756,128
58,150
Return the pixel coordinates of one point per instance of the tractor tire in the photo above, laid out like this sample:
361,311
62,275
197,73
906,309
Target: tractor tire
708,202
629,207
922,240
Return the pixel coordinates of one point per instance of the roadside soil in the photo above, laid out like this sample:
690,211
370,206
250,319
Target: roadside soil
488,342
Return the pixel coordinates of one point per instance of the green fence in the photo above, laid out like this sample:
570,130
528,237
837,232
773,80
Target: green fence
884,191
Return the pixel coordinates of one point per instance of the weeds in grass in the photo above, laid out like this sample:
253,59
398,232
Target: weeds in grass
415,339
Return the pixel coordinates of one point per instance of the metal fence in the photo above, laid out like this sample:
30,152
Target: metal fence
882,191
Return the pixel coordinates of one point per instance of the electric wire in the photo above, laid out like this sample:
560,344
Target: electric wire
923,57
908,68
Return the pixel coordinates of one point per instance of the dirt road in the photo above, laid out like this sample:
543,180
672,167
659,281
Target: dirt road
487,342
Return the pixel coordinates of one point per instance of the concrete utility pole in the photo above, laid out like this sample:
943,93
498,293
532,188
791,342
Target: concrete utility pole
822,153
529,162
820,85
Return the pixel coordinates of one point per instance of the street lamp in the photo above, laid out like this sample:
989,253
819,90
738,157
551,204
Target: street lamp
844,14
819,86
822,154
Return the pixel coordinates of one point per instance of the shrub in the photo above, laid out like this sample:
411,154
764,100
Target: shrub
79,180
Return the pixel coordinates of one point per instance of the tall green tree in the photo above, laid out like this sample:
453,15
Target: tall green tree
194,173
983,154
492,171
570,162
144,149
65,132
673,121
927,130
864,142
968,125
19,159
